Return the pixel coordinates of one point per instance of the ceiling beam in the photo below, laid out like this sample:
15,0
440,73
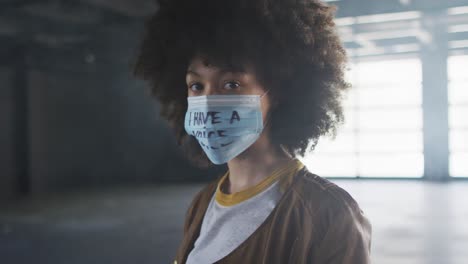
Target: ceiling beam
131,8
352,8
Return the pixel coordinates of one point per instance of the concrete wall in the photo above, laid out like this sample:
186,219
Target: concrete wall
91,129
89,122
8,173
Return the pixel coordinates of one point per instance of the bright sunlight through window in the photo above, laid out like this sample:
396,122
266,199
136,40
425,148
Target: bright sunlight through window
382,134
458,115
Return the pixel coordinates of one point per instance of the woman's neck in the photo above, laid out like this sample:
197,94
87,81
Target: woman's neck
254,165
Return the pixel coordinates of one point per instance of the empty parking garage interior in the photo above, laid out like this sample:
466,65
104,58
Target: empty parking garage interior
91,173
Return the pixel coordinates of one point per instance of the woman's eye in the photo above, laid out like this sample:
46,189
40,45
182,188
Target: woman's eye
196,87
231,85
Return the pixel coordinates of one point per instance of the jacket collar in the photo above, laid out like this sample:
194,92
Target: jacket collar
194,229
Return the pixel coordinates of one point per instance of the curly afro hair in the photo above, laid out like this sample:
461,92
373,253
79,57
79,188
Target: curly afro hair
293,46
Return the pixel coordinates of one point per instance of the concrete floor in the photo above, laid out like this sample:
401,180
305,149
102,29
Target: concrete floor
413,223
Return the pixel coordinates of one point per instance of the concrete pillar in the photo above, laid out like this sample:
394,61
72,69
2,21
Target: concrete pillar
9,184
434,55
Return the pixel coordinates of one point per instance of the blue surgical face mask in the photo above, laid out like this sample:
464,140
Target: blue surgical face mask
224,125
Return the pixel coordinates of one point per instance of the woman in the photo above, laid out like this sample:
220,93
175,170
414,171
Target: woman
254,84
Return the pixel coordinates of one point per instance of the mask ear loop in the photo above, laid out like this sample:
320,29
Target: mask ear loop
264,93
267,123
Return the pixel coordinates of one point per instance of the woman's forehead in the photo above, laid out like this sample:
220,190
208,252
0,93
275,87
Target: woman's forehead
222,65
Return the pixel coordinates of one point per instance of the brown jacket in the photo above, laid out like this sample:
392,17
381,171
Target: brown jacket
314,222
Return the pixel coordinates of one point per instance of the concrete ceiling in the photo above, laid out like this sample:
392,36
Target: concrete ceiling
368,27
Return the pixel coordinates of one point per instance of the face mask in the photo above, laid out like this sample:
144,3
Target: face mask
224,125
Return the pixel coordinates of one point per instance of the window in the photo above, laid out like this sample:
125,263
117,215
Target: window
382,134
458,115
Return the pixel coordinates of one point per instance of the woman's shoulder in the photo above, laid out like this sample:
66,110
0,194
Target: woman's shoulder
205,193
326,200
199,202
338,218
